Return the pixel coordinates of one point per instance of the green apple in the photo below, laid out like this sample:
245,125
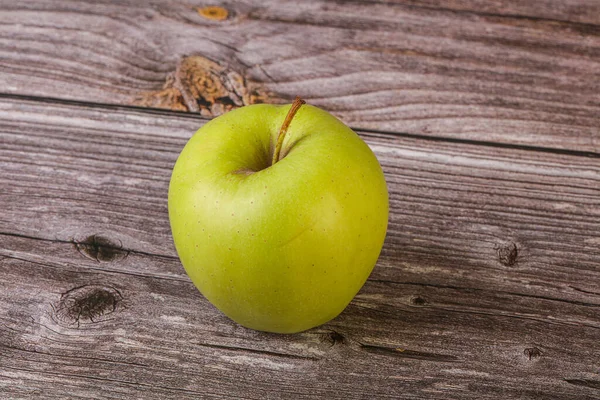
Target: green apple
278,215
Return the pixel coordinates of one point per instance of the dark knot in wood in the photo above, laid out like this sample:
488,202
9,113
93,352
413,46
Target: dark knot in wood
418,301
99,248
507,254
88,303
532,352
334,338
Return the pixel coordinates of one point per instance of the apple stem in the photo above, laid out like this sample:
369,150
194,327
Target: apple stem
284,127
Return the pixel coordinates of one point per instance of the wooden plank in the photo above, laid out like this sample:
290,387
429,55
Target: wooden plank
499,71
488,285
580,11
452,204
157,338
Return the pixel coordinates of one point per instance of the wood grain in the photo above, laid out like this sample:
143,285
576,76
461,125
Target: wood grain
579,11
515,72
487,287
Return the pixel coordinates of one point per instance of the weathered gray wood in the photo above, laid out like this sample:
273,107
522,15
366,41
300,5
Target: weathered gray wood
162,340
582,11
499,71
488,285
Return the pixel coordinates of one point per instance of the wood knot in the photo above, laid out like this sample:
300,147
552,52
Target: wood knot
532,352
99,248
418,301
215,13
334,338
201,85
88,303
507,254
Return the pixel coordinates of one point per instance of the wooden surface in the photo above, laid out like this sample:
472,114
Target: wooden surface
484,115
510,72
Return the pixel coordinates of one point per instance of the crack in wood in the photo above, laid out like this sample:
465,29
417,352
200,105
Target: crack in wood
466,289
406,353
588,383
259,352
108,245
77,357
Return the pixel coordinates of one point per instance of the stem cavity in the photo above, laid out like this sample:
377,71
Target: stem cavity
284,127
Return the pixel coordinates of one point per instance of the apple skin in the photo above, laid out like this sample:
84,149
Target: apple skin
280,248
